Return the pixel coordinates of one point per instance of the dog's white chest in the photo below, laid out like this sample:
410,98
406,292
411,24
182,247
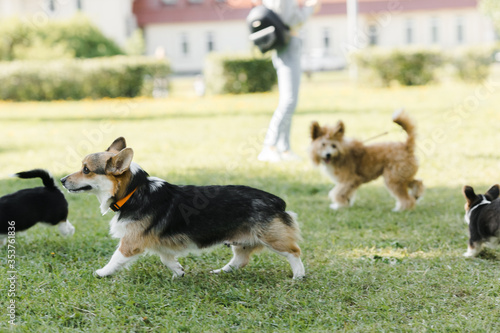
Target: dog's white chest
117,230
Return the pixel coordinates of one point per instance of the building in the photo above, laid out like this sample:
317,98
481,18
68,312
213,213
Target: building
114,17
187,30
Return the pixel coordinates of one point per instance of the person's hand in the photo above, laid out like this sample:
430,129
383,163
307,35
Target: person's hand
313,3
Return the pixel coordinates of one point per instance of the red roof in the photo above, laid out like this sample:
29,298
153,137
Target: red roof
156,11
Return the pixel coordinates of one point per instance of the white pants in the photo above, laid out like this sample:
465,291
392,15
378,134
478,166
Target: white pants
287,65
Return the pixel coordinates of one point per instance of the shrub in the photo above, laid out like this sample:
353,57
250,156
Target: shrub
408,67
238,74
76,37
473,65
117,76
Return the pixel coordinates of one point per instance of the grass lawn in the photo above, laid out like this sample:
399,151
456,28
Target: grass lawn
368,269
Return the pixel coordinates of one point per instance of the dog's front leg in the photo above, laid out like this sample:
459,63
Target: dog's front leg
172,264
341,195
122,257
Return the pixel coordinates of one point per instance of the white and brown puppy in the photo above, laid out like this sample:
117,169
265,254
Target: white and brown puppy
482,213
169,220
350,163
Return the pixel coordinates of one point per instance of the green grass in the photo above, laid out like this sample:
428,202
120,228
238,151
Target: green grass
368,269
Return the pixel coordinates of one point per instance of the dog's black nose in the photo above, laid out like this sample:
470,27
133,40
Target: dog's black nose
63,180
328,155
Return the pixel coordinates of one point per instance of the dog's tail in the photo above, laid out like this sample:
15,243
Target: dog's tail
47,179
401,118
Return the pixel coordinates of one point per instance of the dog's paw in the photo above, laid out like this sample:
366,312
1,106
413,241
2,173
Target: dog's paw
101,273
335,206
225,269
469,254
66,229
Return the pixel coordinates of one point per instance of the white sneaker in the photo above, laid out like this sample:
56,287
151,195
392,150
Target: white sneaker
290,156
269,154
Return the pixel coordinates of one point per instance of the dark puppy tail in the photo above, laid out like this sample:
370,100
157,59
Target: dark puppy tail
47,179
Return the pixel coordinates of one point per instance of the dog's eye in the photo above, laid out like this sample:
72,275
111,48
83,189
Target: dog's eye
86,170
334,146
323,144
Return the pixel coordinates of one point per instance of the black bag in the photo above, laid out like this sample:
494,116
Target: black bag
267,30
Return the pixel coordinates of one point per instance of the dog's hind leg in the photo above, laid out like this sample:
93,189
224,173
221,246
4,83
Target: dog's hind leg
473,249
282,239
403,199
240,258
66,228
172,264
126,253
417,188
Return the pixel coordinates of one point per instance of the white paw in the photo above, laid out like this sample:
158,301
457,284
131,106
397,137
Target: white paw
469,254
178,274
335,206
66,229
102,273
225,269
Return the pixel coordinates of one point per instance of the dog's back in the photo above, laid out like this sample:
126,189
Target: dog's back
29,206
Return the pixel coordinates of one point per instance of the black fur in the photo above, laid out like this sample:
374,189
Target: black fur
484,222
484,219
206,214
29,206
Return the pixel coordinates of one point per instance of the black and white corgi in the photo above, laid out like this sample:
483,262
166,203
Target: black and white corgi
169,220
23,209
482,213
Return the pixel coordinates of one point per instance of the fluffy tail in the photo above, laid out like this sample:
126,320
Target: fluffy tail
401,118
47,179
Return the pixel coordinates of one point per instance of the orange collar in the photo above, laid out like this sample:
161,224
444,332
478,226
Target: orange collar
116,206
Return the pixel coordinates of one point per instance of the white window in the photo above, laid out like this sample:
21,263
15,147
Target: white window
460,30
210,41
327,40
51,5
434,30
409,32
372,35
184,44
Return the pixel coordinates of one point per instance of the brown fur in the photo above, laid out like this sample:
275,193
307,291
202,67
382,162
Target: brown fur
108,175
350,163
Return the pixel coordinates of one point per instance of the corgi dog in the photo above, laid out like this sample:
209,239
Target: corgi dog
482,213
23,209
155,216
350,163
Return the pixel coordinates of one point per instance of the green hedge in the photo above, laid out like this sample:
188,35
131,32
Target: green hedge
408,67
76,37
118,76
473,64
238,74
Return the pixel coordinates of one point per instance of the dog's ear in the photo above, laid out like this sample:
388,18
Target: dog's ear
120,163
337,132
493,192
469,194
117,145
340,128
316,130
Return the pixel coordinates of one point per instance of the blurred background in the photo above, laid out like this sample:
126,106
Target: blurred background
209,38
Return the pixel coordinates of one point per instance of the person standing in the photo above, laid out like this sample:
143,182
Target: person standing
286,61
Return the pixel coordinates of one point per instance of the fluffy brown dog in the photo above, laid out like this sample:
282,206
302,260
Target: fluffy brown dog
350,163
